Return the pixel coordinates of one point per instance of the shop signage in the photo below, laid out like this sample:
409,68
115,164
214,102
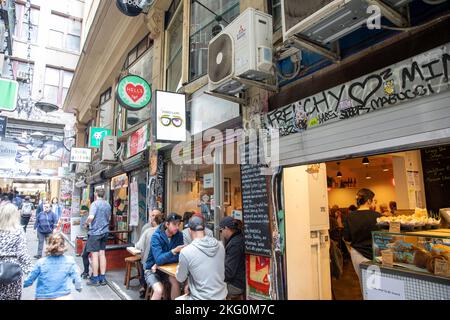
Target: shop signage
8,152
170,117
134,92
386,289
423,75
96,136
387,258
134,204
119,182
9,91
81,155
208,180
255,208
138,141
394,226
130,8
3,125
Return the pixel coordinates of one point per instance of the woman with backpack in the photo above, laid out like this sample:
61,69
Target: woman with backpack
46,220
26,213
14,259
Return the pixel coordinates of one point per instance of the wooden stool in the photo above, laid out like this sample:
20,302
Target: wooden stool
148,293
130,262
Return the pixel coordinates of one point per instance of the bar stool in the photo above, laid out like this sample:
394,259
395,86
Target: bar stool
132,262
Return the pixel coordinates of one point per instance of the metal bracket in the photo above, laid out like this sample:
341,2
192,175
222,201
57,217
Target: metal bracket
258,84
227,97
391,14
299,42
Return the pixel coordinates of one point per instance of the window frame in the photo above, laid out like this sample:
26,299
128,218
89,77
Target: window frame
170,20
66,33
15,67
104,98
20,20
61,87
190,67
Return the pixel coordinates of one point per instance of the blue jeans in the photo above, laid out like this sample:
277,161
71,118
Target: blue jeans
42,238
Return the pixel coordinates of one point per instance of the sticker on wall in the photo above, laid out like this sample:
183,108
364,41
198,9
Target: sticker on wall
134,92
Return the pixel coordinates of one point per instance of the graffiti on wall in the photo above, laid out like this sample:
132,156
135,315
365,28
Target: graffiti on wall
422,75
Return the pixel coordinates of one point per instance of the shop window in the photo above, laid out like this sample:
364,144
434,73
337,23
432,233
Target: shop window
57,83
174,41
204,17
65,32
106,110
275,11
21,31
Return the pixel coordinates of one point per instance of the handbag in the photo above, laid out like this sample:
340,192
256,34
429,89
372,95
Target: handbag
9,272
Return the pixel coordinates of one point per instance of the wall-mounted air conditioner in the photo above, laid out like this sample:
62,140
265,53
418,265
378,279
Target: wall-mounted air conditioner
243,50
325,21
108,149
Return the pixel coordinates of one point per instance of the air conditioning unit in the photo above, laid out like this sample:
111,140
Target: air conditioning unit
22,75
108,149
325,21
243,49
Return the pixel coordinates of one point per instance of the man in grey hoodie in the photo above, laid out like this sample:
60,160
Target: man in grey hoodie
202,264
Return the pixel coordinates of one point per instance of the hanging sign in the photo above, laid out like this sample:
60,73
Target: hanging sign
9,91
138,141
134,92
170,117
96,136
80,155
129,8
134,204
3,124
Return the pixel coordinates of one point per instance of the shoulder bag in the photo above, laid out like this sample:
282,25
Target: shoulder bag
9,272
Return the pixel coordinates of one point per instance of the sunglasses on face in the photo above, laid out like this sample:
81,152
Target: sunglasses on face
175,121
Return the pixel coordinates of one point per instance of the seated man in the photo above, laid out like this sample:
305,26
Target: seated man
201,262
166,244
187,235
234,256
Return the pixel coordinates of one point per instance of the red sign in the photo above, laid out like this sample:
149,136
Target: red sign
138,141
135,92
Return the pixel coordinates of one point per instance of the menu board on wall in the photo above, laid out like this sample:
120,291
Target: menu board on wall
436,175
255,206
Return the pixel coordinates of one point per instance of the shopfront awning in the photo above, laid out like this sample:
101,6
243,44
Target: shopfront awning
136,162
96,178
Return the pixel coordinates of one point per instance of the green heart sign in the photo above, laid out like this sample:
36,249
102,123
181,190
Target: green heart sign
134,92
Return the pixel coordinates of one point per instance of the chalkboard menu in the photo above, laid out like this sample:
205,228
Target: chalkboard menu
255,205
436,175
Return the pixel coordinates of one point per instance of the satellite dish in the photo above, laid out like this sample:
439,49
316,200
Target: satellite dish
129,7
46,107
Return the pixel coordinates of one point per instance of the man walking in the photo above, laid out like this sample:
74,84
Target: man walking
45,223
26,213
99,216
234,256
202,263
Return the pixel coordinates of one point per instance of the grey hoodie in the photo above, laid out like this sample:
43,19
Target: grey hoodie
203,263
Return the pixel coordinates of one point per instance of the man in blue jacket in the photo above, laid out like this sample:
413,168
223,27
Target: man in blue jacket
166,244
46,221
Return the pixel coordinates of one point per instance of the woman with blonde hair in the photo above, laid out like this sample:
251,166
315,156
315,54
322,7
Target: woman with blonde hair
14,258
54,271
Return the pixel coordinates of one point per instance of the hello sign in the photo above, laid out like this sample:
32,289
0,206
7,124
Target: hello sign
133,92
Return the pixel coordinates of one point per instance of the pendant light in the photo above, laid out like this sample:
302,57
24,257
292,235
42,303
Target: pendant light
365,161
339,173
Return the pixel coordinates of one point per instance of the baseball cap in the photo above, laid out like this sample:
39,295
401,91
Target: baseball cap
173,217
227,222
196,223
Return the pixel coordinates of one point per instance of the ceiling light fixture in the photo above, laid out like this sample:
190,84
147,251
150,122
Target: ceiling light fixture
339,173
365,161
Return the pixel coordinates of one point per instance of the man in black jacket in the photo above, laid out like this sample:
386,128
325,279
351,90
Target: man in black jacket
234,256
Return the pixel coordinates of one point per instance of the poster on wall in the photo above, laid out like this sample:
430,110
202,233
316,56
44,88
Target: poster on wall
138,141
170,121
258,270
134,204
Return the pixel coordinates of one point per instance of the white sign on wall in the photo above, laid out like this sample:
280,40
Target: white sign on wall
386,289
134,204
170,117
81,155
208,180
